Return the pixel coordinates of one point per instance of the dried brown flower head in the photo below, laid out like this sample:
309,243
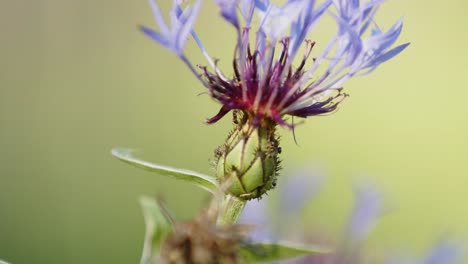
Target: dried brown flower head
203,242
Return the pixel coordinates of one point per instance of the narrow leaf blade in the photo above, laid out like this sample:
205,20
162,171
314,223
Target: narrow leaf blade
158,227
265,252
203,181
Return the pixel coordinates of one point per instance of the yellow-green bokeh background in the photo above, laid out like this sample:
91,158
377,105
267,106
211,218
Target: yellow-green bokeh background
77,78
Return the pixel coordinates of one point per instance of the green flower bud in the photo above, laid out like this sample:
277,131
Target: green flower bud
248,160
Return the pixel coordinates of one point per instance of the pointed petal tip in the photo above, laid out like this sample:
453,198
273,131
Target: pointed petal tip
143,28
222,112
149,32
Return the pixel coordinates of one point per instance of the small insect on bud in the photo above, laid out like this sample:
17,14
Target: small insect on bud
248,160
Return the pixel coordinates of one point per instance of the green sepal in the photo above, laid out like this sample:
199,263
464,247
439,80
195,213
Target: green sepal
220,167
266,252
235,186
234,157
203,181
158,226
252,177
250,150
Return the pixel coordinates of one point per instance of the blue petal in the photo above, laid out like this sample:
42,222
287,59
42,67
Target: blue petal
261,42
375,47
158,17
301,28
156,37
380,41
173,38
186,29
262,5
275,20
346,8
228,11
351,44
247,7
179,13
367,19
390,54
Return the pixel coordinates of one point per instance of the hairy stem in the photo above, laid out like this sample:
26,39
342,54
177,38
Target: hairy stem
231,209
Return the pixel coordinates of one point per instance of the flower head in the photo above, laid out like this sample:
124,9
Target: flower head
265,84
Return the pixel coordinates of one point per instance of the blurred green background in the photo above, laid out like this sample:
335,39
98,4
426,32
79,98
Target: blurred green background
77,79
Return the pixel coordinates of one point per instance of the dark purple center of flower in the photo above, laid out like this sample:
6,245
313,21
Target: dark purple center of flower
266,97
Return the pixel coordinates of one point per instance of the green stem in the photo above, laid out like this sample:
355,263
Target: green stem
231,209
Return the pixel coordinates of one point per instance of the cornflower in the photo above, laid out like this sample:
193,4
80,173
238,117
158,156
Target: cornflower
265,85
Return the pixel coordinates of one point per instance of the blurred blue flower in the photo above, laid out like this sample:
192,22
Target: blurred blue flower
294,193
297,191
368,207
264,83
443,252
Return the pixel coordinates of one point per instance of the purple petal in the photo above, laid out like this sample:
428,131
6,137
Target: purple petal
319,108
222,112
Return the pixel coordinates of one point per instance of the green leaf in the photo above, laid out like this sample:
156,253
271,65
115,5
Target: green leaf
3,262
158,226
265,252
204,181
